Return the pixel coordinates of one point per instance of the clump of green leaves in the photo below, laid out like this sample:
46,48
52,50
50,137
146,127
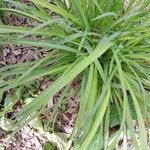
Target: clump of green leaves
104,43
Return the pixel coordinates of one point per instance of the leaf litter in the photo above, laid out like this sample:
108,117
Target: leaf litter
29,138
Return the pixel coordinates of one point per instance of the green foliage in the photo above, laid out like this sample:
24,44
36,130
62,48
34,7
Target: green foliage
105,44
48,146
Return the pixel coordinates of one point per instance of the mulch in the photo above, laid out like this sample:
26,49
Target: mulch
28,138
